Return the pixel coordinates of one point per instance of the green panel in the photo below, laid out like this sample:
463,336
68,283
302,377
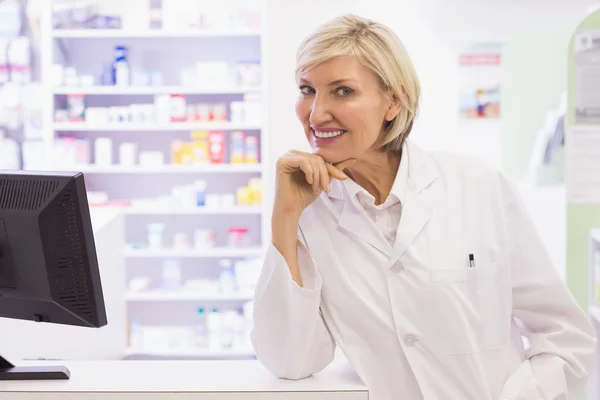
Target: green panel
534,75
580,218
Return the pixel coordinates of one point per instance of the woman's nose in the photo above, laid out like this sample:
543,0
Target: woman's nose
320,111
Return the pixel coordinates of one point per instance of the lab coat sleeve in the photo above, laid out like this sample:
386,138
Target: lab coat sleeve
562,339
290,337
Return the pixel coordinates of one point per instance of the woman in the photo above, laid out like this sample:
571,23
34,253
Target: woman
424,268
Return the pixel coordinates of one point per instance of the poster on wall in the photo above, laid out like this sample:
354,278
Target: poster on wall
583,174
586,85
480,74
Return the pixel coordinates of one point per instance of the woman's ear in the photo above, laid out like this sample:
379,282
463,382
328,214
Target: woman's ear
393,108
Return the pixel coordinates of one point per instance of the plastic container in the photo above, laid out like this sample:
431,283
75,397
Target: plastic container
241,196
237,148
103,151
156,233
251,150
136,338
200,189
204,239
255,191
227,281
237,237
181,241
127,154
121,67
200,333
213,325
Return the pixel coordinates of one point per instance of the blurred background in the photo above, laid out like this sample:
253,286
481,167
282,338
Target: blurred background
176,111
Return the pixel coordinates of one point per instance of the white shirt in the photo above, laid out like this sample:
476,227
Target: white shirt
385,216
414,319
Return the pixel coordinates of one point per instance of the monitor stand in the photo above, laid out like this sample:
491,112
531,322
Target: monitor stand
8,372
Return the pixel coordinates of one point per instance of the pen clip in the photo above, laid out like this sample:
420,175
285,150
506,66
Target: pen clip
471,261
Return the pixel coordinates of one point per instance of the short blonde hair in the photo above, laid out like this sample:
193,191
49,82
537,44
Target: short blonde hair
378,48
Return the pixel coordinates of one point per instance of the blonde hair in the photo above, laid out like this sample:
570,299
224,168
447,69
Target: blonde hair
380,50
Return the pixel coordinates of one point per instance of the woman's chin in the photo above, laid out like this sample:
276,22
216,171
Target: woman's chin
327,155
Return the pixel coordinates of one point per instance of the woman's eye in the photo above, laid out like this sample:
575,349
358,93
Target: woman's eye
306,90
343,91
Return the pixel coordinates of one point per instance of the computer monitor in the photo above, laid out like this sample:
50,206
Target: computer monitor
48,264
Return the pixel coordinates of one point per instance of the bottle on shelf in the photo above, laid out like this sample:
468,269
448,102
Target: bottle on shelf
121,67
213,325
200,334
136,338
227,280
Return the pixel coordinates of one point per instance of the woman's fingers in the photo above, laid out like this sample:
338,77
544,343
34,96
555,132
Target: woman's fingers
306,167
343,164
324,174
335,170
316,176
317,172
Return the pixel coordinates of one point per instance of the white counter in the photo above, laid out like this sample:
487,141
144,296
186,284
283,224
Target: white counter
189,380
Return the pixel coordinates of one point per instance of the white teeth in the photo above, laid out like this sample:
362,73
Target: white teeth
326,135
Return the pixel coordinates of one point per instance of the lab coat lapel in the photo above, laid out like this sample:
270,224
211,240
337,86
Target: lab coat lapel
416,210
417,204
354,220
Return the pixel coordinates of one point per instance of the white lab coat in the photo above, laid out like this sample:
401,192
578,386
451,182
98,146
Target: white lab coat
416,320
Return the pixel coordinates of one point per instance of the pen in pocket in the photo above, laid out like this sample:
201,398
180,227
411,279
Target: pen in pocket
471,261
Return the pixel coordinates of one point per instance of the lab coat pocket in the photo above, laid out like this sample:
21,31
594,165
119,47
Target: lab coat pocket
473,309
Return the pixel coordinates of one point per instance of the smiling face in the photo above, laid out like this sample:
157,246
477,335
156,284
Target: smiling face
342,108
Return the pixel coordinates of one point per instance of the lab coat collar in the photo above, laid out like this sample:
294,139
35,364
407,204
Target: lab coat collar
416,206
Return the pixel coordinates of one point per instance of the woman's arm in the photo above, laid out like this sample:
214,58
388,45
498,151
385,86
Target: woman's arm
290,336
562,339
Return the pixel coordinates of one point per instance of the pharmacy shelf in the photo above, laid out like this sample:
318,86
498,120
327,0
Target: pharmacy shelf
148,90
166,169
188,295
194,253
145,34
595,312
237,210
191,353
175,126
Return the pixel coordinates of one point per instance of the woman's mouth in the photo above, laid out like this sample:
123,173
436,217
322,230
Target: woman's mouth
327,135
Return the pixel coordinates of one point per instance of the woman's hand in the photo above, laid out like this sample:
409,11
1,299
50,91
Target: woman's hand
301,178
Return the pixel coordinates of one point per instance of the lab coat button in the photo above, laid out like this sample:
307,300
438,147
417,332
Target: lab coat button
399,267
411,340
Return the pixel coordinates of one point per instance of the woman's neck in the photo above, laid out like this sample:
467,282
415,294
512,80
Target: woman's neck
375,172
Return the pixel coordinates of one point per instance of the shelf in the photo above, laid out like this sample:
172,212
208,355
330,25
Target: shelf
595,312
144,34
222,252
238,210
175,126
167,169
187,295
148,90
192,353
595,235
